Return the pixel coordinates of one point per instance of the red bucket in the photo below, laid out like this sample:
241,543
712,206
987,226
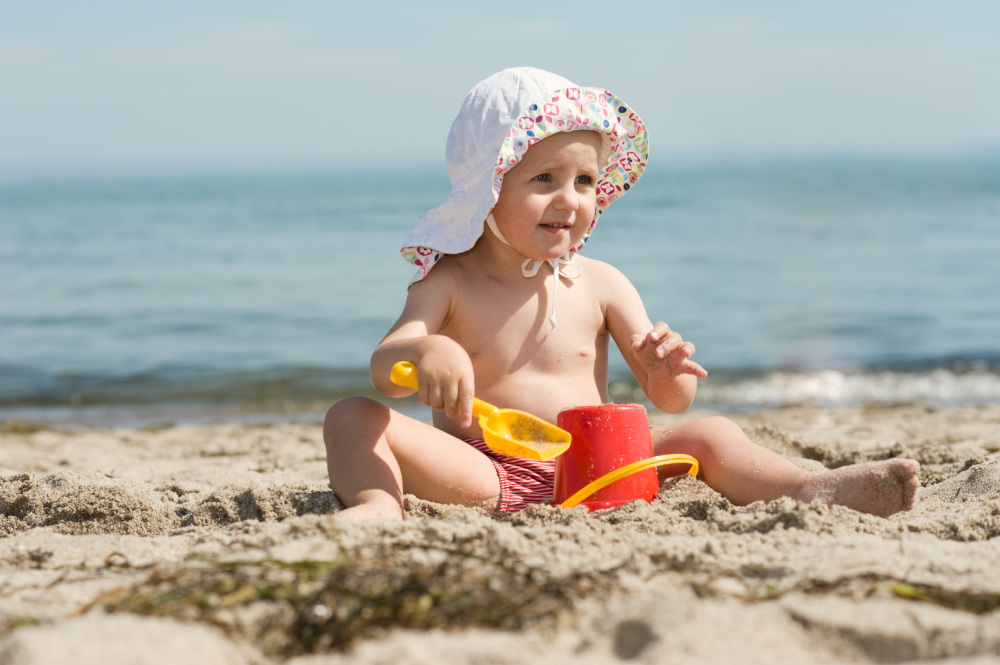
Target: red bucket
605,438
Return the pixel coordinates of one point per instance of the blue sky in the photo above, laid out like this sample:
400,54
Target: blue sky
260,84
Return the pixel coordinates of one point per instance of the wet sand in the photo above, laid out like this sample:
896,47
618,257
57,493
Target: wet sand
216,544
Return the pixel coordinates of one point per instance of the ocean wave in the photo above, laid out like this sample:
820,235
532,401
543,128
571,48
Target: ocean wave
843,388
283,393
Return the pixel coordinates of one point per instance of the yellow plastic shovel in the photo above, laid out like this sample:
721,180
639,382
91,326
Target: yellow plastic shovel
506,431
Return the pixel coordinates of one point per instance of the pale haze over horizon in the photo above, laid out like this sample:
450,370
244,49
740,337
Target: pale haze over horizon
259,85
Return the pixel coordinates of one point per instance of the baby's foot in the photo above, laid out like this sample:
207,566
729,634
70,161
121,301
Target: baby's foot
880,488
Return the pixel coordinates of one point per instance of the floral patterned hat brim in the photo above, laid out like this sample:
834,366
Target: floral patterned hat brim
567,110
582,109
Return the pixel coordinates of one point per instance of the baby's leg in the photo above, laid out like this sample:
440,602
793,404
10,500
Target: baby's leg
374,455
744,472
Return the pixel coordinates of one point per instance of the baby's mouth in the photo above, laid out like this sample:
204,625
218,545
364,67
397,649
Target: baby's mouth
558,226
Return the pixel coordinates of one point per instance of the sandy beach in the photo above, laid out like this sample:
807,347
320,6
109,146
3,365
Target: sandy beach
215,544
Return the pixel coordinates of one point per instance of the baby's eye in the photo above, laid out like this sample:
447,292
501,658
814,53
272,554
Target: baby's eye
544,177
584,180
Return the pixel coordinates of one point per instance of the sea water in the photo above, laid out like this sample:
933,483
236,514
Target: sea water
131,299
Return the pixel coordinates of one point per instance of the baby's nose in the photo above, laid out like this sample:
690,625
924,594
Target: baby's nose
567,198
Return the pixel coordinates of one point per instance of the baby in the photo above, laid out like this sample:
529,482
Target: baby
503,307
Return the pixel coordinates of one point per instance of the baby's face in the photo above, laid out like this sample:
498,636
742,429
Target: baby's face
549,199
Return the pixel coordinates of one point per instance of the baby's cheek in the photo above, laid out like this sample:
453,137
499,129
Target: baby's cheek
581,230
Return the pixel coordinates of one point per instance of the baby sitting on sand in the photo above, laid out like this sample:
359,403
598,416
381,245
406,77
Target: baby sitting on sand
504,307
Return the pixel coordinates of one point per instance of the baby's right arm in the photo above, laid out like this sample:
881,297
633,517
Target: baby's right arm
444,369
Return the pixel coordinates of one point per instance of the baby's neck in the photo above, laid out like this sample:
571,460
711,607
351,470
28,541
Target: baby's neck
496,255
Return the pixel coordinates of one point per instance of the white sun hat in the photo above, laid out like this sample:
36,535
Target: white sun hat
499,120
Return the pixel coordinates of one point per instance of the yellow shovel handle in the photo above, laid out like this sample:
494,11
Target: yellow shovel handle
628,470
405,374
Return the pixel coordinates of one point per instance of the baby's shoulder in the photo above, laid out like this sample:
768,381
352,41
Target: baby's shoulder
448,285
607,286
437,289
446,274
600,272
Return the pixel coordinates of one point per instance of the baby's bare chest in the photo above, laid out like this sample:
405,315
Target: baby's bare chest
509,331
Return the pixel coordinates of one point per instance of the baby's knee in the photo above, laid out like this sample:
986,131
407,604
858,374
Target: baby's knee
719,428
702,436
351,413
352,405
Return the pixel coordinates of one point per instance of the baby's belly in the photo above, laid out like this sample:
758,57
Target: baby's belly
547,398
543,396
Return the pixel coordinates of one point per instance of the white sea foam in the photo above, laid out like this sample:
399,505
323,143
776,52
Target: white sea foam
840,388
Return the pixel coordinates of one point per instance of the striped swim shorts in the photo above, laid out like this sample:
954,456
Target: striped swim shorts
522,481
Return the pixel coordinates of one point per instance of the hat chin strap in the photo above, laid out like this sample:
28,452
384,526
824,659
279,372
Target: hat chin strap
530,267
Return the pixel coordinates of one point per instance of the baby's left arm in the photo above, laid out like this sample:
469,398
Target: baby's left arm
666,359
659,357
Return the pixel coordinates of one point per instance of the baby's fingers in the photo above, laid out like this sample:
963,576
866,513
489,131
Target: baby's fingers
691,367
451,401
466,395
685,365
670,344
430,395
658,332
457,402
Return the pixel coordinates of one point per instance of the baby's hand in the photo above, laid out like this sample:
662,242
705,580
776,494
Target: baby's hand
664,355
447,384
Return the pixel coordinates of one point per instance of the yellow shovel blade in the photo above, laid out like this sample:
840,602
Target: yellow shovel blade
519,434
506,431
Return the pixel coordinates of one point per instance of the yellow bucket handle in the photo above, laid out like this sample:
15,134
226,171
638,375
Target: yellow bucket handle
628,470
